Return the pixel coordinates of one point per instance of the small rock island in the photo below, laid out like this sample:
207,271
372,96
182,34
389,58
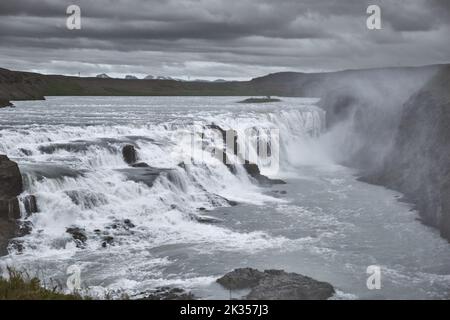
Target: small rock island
260,100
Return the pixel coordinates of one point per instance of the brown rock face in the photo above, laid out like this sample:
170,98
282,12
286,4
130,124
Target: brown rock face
10,187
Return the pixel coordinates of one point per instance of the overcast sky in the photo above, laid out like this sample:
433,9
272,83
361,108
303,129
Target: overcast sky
230,39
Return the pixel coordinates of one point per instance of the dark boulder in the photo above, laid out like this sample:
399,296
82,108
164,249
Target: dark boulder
107,240
125,224
253,171
276,285
140,165
128,223
241,278
280,285
10,187
129,154
78,235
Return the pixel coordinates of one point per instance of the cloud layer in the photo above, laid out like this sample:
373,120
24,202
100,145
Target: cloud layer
220,38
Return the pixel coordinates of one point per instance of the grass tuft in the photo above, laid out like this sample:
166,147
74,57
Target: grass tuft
20,286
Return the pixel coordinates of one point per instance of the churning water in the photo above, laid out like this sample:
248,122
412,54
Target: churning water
174,224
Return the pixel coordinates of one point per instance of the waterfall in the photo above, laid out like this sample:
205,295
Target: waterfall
70,155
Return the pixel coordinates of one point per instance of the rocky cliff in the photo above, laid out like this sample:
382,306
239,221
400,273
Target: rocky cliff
418,164
10,188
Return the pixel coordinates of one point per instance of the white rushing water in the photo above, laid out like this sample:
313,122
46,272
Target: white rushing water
177,226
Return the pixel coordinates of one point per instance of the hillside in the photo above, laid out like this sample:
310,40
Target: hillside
16,85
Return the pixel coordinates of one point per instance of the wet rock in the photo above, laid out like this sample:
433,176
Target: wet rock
10,177
10,187
79,236
206,219
25,228
140,165
229,138
276,285
128,223
26,152
232,203
167,293
86,198
241,278
144,175
253,170
107,240
121,225
30,204
129,154
231,145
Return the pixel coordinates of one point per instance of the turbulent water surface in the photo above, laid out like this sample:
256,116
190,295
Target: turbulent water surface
175,224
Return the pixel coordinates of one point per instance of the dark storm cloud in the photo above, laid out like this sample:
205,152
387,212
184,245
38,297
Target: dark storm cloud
219,38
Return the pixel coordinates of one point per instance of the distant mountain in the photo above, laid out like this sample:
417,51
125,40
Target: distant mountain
130,77
103,76
164,78
149,77
220,80
200,80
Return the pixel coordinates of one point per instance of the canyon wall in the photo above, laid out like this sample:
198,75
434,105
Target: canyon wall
10,187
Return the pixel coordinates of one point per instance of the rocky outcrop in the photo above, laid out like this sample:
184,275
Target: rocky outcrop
253,170
30,204
129,154
230,143
276,285
5,103
260,100
79,236
10,187
168,293
241,278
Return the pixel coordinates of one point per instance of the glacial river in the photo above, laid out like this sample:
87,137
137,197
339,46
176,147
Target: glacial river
186,225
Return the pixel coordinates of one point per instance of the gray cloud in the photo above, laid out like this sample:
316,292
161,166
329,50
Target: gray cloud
219,38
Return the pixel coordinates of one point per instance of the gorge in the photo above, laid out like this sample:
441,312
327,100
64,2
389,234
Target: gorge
390,126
